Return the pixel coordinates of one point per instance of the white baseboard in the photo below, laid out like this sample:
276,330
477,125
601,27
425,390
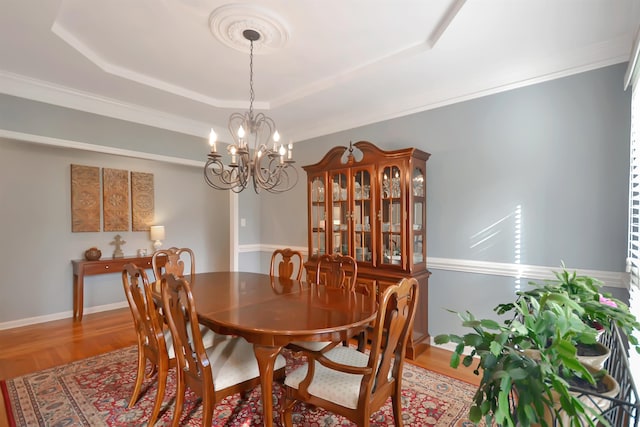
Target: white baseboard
61,315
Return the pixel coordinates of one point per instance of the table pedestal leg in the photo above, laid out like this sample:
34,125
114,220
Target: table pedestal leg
266,357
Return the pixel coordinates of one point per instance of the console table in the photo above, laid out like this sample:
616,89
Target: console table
83,268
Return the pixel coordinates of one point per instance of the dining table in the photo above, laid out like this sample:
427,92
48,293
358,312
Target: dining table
271,312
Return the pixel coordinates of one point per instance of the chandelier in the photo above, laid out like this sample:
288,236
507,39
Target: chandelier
256,154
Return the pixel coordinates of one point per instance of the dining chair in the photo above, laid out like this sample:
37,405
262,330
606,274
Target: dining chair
174,262
213,372
154,342
337,271
290,263
333,271
352,383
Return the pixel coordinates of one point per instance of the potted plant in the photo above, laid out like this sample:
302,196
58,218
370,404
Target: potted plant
600,310
516,387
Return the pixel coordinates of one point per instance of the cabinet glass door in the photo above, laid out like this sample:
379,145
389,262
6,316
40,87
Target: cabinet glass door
318,216
391,215
362,213
340,214
418,215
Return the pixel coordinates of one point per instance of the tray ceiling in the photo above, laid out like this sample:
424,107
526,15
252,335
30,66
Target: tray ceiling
320,67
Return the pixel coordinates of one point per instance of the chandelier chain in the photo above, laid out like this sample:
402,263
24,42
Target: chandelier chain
252,94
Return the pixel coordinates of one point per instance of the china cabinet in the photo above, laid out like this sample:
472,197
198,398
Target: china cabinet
371,204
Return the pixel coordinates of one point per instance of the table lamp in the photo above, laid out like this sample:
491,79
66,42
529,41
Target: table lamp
156,233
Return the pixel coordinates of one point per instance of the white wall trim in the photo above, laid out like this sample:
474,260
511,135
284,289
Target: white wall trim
47,92
266,247
66,143
234,213
532,272
62,315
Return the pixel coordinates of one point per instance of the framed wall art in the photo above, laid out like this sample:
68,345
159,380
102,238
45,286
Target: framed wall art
142,201
85,198
115,199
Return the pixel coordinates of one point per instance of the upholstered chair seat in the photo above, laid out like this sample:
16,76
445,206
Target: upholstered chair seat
233,361
335,386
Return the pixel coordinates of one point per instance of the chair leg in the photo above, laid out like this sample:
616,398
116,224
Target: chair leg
362,341
396,403
207,408
286,416
139,377
162,384
180,390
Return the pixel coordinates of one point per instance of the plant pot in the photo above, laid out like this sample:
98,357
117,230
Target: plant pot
596,401
588,354
593,354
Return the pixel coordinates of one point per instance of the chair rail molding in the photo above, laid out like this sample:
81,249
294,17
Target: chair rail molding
533,272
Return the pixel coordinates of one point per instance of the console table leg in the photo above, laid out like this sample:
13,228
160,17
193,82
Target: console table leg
78,298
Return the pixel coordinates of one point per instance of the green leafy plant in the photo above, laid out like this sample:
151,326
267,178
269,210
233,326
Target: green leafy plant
599,308
515,387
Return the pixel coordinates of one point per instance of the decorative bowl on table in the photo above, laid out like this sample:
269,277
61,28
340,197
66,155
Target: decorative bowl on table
92,254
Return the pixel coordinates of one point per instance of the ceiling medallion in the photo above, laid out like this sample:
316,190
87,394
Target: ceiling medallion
227,24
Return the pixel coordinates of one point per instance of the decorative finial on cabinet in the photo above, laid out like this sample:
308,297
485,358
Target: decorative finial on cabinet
351,154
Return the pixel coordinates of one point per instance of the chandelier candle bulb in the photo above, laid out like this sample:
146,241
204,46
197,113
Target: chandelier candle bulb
290,152
233,155
212,141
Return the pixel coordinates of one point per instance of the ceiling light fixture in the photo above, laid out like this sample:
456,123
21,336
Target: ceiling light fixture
256,154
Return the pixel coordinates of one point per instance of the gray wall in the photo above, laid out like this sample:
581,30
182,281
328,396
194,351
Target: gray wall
36,232
557,150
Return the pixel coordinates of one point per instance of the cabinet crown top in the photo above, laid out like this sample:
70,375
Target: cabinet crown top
370,153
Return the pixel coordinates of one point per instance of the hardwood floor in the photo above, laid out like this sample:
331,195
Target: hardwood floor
36,347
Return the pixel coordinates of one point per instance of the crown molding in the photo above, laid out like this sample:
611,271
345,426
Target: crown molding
41,91
66,143
49,93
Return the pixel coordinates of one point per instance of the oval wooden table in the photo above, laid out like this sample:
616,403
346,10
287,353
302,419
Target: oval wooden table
270,313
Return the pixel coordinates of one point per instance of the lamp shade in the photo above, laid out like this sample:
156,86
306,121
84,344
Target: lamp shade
156,232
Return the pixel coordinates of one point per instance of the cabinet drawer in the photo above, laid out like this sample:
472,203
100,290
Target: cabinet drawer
103,267
114,266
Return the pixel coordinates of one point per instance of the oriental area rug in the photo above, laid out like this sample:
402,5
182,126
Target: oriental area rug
95,392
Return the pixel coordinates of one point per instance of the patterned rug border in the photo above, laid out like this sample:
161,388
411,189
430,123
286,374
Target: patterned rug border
451,413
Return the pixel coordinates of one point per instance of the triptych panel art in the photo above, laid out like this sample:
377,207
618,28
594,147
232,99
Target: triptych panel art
122,204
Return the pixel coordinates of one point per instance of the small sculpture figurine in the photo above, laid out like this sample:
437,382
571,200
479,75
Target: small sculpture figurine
117,241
